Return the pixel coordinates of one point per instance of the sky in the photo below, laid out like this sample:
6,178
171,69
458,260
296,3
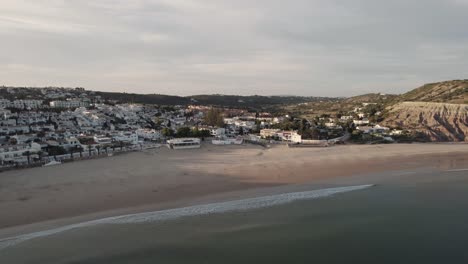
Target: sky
245,47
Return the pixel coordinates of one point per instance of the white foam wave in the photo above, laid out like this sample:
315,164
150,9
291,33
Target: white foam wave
206,209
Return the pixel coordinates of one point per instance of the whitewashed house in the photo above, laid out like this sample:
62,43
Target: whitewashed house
127,137
16,153
149,134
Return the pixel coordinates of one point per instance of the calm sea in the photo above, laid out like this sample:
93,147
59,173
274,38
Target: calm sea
412,220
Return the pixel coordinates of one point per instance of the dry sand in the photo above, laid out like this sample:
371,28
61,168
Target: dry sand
163,178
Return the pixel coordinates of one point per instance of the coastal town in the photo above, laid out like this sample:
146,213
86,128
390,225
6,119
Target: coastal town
47,126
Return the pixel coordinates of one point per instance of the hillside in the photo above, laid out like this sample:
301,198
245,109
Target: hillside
437,121
337,105
455,91
254,101
436,110
370,98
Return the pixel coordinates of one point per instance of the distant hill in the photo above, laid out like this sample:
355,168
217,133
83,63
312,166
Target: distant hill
254,101
370,98
455,91
159,99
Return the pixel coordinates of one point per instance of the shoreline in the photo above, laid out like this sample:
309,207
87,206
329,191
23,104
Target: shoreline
196,210
124,184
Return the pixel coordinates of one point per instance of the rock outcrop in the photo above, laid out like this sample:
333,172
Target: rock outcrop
437,121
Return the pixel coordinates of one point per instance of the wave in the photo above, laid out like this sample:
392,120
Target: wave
206,209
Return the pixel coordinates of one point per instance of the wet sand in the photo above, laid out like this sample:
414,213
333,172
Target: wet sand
34,199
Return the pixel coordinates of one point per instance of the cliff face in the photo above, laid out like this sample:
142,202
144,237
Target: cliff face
438,121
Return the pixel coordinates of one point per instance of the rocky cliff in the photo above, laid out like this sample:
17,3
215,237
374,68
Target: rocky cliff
437,121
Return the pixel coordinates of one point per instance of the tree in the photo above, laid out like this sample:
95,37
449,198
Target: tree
304,125
41,134
310,134
13,141
167,132
89,150
56,150
200,133
76,149
241,131
183,132
214,117
28,155
220,121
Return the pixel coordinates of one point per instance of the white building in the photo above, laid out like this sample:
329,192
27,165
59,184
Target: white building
149,134
68,104
4,103
8,122
127,137
285,135
396,132
376,129
72,142
4,113
16,153
102,140
14,129
218,132
345,118
361,122
184,143
179,121
296,138
268,133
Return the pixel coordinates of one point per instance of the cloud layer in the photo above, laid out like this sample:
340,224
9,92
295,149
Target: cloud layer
302,47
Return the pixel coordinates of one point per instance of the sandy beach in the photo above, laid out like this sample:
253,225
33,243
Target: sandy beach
33,199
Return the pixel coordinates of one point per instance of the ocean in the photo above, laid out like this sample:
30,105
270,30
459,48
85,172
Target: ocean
419,218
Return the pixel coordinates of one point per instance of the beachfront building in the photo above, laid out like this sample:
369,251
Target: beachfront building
376,129
127,137
296,138
148,134
218,132
184,143
18,153
269,133
102,140
228,141
284,135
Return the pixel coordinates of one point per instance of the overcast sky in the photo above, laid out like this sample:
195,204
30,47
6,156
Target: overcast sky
267,47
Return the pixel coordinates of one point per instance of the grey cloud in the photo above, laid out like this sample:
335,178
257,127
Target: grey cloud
303,47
